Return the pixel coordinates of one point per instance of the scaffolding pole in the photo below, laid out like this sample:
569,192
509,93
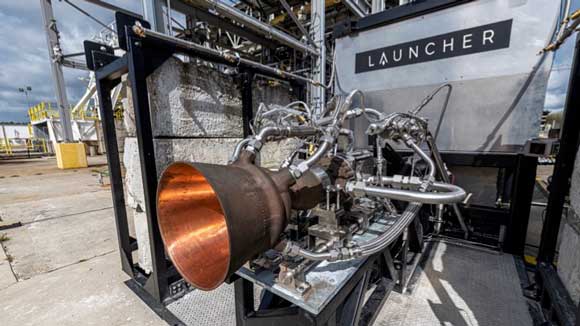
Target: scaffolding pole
317,29
55,56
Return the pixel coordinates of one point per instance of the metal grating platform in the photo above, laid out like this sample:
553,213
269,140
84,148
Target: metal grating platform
206,308
459,286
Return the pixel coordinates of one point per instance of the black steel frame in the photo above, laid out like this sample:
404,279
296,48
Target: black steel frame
143,56
346,308
164,284
555,299
516,217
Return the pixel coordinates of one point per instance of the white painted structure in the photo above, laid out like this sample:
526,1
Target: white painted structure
15,134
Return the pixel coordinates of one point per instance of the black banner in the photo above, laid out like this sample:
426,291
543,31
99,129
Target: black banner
467,41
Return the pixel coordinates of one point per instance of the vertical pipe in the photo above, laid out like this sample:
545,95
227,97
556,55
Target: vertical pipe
317,28
377,6
153,13
52,41
443,174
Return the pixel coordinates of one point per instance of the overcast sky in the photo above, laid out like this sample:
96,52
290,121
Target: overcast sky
24,56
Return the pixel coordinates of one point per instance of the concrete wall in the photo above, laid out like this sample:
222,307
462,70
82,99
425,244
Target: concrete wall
197,116
569,251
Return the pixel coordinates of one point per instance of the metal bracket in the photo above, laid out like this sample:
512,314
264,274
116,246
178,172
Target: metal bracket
123,20
103,54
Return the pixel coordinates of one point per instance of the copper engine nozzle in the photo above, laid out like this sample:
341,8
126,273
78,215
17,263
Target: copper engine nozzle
214,218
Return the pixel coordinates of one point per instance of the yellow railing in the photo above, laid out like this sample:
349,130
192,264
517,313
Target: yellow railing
5,147
84,115
36,145
44,110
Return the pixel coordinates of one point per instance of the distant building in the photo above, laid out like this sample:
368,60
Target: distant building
16,134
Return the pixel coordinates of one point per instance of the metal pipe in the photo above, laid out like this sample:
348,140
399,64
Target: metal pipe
431,170
442,171
381,242
319,254
454,195
354,8
350,114
301,131
324,147
439,186
297,22
252,23
241,144
231,58
376,245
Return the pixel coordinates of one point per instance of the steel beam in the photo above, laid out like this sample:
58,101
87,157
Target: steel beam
226,10
317,29
55,53
377,6
153,12
354,8
217,21
297,22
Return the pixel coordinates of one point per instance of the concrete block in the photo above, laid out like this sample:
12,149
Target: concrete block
273,153
142,236
134,199
189,100
271,93
575,187
205,150
128,112
569,258
133,180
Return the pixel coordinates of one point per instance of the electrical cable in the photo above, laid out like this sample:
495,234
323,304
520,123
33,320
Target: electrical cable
90,16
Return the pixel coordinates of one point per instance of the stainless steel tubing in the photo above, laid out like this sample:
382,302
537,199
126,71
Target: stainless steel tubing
321,253
439,186
374,112
252,23
301,131
381,242
455,194
354,113
324,147
423,156
241,144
